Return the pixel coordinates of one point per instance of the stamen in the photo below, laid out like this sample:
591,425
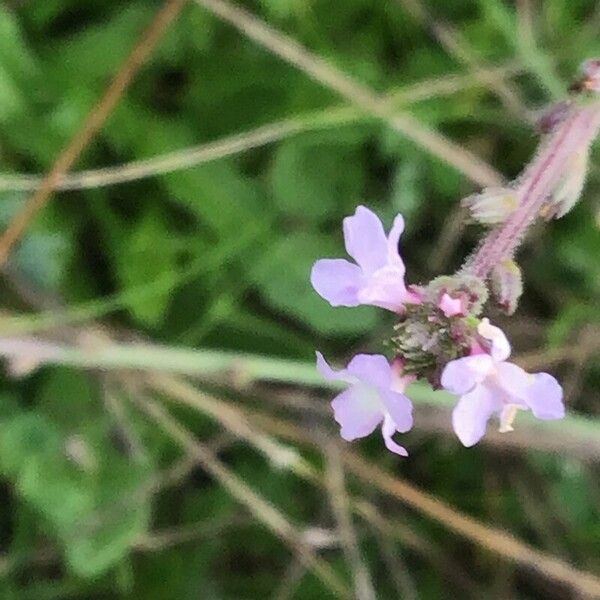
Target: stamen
507,416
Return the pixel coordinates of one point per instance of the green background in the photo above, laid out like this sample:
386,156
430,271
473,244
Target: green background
217,256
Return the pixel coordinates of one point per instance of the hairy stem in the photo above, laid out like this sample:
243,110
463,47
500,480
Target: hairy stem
535,186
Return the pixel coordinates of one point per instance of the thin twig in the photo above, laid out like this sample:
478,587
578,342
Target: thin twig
458,48
278,454
262,510
231,145
574,435
396,530
396,567
492,539
159,540
327,75
121,419
336,486
92,125
290,580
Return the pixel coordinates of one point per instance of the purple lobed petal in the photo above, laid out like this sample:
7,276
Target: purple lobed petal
393,254
500,349
471,414
337,280
385,288
329,373
356,413
463,374
365,240
388,429
545,397
399,408
372,369
515,381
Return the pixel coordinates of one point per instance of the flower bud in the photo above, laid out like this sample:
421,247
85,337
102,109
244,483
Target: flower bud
492,205
507,285
591,74
469,289
569,187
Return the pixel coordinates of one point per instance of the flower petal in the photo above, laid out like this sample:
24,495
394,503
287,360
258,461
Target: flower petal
393,254
388,429
365,240
329,373
337,280
372,369
357,414
399,408
461,375
545,397
515,382
471,414
500,345
385,288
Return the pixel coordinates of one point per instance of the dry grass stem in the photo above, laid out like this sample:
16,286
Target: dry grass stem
329,76
260,508
92,125
458,48
338,497
238,143
489,538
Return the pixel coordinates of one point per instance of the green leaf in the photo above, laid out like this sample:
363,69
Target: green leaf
44,252
15,54
220,196
149,252
317,175
95,510
11,98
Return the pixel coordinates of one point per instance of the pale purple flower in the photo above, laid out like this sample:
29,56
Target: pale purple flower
377,278
374,396
489,385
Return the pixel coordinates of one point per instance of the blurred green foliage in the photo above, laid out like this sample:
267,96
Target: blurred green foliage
219,255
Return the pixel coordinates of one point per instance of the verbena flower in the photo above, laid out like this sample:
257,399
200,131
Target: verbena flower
375,396
377,278
489,385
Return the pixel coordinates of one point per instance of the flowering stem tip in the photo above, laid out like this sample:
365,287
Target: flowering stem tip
440,335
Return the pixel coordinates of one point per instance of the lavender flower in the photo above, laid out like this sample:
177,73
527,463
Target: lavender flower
378,276
488,385
375,395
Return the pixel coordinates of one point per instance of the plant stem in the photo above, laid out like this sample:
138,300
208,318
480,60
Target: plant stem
576,435
535,186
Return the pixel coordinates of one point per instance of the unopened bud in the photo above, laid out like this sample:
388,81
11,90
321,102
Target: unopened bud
452,307
469,289
492,205
507,285
569,187
591,74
